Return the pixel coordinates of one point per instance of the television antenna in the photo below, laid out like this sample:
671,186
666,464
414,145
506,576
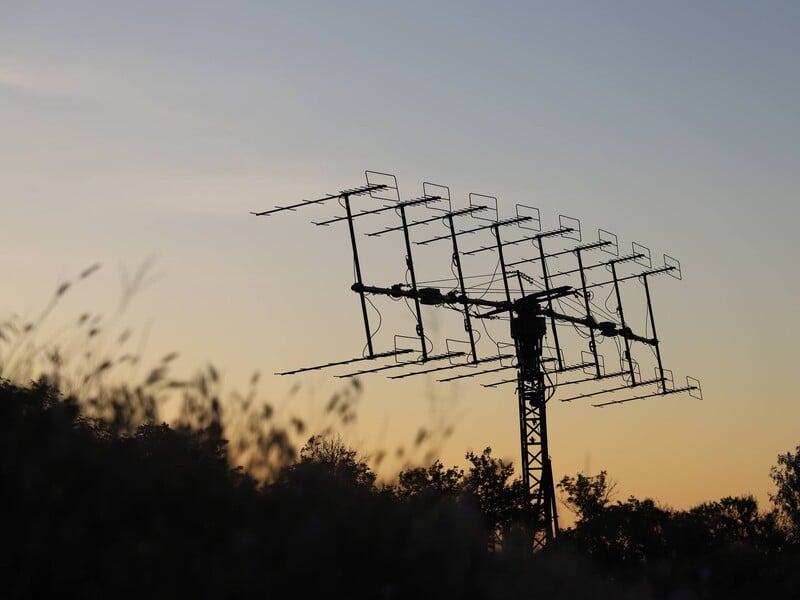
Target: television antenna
558,298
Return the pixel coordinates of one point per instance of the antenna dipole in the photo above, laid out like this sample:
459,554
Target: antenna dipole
534,314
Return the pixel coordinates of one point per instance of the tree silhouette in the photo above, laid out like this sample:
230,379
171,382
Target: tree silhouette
786,475
332,455
502,502
159,512
587,495
433,482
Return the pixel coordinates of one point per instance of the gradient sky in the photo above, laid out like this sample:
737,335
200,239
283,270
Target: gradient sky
151,129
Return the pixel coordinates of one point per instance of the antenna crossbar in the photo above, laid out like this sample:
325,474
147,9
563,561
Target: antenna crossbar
345,362
498,383
444,215
476,229
476,373
594,378
590,246
343,194
574,367
538,236
436,369
404,364
685,388
609,390
606,263
635,276
396,206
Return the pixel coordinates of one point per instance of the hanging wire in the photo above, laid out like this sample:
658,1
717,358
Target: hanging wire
414,314
446,279
375,308
492,280
552,386
377,329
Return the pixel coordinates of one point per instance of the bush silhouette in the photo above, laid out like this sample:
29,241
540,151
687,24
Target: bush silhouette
99,498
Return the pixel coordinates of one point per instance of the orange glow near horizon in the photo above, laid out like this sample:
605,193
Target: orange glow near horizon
662,127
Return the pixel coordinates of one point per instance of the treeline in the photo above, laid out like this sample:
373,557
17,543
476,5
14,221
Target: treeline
93,508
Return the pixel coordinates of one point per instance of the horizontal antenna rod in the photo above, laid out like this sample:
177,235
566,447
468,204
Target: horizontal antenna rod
476,373
476,229
346,362
538,236
607,263
595,378
444,215
363,213
643,274
405,364
675,391
480,360
615,389
563,369
351,192
578,248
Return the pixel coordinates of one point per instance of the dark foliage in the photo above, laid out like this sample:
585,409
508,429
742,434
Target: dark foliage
96,510
160,513
786,475
722,549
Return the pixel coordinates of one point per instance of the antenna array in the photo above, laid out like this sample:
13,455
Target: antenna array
545,286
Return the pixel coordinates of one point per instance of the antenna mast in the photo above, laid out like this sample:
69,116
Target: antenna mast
534,315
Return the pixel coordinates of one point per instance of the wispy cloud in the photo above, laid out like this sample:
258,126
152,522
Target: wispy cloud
38,80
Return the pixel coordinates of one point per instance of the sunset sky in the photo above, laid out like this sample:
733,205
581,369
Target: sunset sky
148,131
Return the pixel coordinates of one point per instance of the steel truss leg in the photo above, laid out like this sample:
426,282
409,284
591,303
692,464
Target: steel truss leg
528,330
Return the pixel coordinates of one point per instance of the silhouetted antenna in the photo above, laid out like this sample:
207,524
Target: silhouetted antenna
366,189
343,362
448,367
478,373
567,300
430,358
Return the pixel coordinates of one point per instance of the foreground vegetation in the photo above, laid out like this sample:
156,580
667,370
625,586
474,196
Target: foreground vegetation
100,498
160,512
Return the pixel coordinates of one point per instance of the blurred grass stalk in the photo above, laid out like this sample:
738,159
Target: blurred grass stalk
89,359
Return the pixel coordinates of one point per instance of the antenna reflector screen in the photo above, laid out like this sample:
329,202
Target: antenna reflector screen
442,191
574,226
551,356
490,202
462,346
405,342
695,391
612,246
674,267
534,222
645,260
626,370
390,192
588,359
669,380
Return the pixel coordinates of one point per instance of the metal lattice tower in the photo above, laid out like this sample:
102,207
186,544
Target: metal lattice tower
534,315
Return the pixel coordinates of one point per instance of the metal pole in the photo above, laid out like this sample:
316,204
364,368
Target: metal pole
622,322
585,293
502,263
550,303
655,335
457,261
410,265
358,274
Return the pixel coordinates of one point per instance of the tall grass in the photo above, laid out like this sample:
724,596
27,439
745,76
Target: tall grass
98,361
